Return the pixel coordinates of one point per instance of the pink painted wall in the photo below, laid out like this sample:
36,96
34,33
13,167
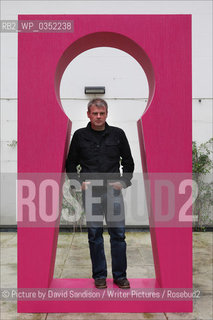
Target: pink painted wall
162,45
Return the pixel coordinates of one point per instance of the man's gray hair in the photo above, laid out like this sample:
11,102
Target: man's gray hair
98,103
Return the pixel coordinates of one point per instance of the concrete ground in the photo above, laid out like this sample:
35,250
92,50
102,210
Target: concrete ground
73,261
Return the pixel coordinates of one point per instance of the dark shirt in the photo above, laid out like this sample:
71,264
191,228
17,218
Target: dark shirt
100,153
98,134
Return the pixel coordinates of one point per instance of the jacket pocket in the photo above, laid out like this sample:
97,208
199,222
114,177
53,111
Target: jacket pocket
112,148
87,149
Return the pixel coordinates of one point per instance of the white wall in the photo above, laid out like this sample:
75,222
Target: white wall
126,86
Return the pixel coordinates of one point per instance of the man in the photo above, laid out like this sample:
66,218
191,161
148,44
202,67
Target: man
100,149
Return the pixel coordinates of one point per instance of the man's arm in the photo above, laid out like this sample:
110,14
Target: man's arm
73,159
126,160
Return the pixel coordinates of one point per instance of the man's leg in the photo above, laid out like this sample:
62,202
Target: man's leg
94,216
96,245
116,228
118,252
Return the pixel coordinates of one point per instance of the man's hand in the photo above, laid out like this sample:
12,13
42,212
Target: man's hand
116,185
84,185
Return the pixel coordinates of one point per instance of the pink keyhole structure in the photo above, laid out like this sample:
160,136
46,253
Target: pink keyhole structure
161,44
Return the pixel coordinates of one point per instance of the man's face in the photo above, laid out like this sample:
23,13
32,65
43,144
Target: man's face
97,117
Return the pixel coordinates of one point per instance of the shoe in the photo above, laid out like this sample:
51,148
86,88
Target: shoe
100,283
122,283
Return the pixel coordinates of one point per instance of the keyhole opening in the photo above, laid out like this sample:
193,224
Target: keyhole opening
126,94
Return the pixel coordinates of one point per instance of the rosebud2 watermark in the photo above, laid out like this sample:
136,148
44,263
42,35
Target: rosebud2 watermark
39,196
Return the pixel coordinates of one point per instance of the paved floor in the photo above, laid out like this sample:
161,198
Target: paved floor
73,260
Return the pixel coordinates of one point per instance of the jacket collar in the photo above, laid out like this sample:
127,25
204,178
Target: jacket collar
89,129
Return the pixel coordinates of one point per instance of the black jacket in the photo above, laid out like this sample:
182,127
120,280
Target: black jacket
100,157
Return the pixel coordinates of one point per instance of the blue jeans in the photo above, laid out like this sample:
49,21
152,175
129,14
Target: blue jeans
118,252
111,207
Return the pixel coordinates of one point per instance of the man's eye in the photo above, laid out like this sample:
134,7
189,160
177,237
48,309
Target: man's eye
96,113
